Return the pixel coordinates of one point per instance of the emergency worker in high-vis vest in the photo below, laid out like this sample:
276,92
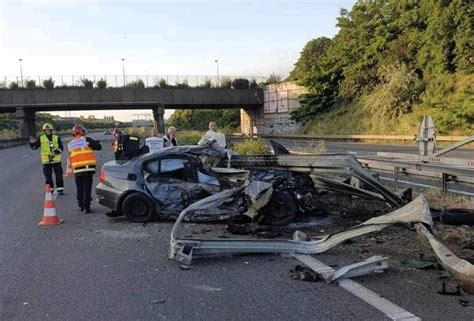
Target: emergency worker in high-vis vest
83,162
51,148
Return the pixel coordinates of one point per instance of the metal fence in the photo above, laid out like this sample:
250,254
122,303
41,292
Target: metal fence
123,80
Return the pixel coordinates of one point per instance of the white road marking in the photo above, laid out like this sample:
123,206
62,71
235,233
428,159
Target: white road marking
25,156
391,310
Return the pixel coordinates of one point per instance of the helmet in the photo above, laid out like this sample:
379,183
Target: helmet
117,132
79,130
47,126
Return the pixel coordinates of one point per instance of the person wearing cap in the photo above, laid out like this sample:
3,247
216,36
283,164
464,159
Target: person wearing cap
213,138
51,148
83,162
169,140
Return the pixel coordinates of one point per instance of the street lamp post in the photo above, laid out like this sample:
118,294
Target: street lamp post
123,71
218,80
21,72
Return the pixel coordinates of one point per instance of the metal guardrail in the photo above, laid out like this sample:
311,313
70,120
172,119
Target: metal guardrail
354,137
122,80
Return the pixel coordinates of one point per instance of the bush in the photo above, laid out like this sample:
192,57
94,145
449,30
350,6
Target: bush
48,83
207,84
240,83
162,83
136,84
86,83
188,137
253,84
253,147
226,83
13,85
30,84
183,84
101,84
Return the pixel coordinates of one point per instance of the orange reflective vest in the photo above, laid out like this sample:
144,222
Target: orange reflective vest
81,156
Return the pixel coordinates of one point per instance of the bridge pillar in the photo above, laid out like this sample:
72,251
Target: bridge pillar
247,122
26,122
159,118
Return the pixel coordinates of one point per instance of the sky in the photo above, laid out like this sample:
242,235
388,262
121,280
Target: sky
90,37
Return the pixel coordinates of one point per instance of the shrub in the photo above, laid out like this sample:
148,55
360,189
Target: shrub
183,84
240,83
226,83
253,147
102,84
273,79
13,85
48,83
162,83
30,84
136,84
207,84
89,84
253,84
188,137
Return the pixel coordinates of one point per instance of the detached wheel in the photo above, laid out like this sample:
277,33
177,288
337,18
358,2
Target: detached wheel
138,208
280,210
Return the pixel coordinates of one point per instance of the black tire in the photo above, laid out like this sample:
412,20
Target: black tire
138,208
280,210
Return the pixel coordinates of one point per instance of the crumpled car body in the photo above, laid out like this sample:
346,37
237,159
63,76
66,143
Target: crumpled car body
162,184
272,189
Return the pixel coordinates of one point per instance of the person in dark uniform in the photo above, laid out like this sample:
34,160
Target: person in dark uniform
83,161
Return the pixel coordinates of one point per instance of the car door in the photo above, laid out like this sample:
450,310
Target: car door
177,182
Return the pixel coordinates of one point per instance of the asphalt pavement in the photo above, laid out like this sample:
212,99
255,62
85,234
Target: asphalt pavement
97,268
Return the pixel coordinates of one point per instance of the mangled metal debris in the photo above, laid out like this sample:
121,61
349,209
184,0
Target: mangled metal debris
461,270
184,250
416,212
372,264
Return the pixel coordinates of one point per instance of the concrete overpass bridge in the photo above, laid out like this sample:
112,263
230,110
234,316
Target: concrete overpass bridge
26,102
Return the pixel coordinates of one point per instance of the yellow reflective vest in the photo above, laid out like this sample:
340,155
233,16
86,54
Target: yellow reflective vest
47,149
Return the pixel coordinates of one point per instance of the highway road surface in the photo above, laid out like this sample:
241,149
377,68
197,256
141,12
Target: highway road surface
97,268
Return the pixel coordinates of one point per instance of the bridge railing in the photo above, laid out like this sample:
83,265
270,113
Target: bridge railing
121,80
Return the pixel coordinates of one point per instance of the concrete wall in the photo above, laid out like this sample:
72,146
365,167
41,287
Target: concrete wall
279,101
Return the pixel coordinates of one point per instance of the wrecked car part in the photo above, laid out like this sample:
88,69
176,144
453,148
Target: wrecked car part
319,163
304,273
461,270
415,212
372,264
446,292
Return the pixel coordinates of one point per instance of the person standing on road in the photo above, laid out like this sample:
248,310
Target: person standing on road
125,146
51,148
169,139
83,161
212,138
153,143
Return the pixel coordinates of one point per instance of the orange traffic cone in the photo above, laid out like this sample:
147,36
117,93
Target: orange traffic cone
49,214
69,172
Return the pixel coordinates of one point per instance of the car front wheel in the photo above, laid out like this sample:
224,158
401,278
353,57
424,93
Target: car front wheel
280,210
138,208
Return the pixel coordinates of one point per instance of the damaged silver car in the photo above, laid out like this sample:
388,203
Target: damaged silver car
271,189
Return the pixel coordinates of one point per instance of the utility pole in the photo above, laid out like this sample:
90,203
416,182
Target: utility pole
21,73
123,72
218,80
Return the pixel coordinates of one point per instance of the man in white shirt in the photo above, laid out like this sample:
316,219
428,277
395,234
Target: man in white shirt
154,143
212,138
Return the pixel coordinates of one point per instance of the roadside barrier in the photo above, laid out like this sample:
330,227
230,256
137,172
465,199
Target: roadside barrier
49,213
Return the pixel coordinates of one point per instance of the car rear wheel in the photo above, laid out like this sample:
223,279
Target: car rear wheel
138,208
280,210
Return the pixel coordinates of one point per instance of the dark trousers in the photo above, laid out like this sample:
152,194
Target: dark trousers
58,173
84,188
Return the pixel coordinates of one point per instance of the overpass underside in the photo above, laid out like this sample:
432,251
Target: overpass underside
25,103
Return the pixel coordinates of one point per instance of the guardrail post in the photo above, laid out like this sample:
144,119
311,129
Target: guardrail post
395,177
444,183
